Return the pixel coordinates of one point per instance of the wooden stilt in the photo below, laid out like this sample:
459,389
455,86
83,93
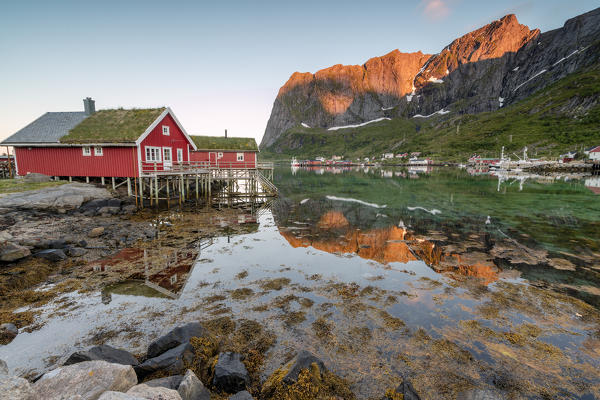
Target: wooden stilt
168,194
141,192
70,179
102,180
196,188
156,189
113,182
129,187
87,179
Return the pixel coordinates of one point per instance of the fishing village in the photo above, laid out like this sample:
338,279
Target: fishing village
214,207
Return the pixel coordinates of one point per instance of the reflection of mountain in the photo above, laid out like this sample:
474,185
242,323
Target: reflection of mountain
334,234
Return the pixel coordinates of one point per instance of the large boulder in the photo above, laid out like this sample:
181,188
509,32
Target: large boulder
64,197
15,388
304,360
191,388
51,255
170,382
172,361
88,379
12,252
230,375
143,391
103,352
176,337
407,391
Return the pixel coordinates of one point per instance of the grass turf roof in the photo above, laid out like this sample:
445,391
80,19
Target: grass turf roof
223,143
113,126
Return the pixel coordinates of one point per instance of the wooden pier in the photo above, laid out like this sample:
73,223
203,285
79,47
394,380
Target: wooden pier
202,181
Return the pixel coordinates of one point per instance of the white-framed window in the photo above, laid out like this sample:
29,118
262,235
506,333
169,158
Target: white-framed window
179,155
240,156
87,151
166,130
219,155
167,154
98,151
153,154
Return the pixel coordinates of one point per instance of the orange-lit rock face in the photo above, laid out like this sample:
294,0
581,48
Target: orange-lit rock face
391,244
336,87
492,41
332,220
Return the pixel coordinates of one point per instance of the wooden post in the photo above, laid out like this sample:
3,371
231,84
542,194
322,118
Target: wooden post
142,192
156,188
180,183
113,182
102,180
10,174
150,185
129,187
87,179
168,194
70,179
196,188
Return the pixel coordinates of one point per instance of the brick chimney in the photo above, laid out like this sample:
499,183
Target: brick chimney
89,106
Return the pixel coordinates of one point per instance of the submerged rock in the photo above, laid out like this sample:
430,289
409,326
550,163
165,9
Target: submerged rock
103,352
51,255
15,388
143,391
406,390
231,375
304,360
87,379
3,368
172,361
8,332
191,388
176,337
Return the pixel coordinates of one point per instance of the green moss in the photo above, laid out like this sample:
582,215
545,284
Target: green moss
113,126
223,143
19,185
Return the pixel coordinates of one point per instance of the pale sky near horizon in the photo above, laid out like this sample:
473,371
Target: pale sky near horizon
220,64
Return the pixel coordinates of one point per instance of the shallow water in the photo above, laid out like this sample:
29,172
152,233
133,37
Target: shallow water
452,280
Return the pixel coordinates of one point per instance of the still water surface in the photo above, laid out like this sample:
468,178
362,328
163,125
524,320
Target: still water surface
449,279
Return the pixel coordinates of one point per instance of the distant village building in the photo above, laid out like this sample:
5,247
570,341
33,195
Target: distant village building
388,156
594,153
415,154
402,155
112,143
225,152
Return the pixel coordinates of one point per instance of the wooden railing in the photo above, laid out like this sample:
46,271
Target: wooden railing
196,166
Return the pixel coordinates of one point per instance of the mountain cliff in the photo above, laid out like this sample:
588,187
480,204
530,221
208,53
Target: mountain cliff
484,70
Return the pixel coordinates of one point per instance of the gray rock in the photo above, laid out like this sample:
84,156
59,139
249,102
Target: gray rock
57,244
170,382
303,360
191,388
34,177
243,395
97,231
51,255
103,352
153,393
9,329
176,337
130,209
15,388
87,379
172,361
66,197
110,395
76,251
5,236
3,368
12,252
109,210
482,394
406,389
230,375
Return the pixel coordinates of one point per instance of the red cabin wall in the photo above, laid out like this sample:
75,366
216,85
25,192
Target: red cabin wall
176,140
229,159
70,161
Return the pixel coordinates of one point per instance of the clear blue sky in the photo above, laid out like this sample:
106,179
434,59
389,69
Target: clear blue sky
216,64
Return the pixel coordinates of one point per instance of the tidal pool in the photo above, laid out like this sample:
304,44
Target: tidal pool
450,280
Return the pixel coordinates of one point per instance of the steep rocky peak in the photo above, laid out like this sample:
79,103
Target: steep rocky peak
493,40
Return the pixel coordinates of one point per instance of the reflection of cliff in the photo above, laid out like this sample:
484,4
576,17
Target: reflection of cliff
334,234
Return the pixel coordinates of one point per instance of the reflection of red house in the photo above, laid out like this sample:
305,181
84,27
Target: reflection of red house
225,152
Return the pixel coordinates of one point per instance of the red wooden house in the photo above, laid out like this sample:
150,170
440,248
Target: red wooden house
225,152
108,143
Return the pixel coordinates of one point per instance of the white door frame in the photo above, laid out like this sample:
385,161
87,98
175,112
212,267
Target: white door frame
167,164
179,153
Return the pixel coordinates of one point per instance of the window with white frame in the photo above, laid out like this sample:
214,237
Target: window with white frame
166,130
152,154
87,151
240,156
98,151
219,155
179,155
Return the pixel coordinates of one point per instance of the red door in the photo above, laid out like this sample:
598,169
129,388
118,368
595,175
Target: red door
212,158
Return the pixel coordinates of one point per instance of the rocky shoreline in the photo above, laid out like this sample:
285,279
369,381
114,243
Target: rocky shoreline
188,363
